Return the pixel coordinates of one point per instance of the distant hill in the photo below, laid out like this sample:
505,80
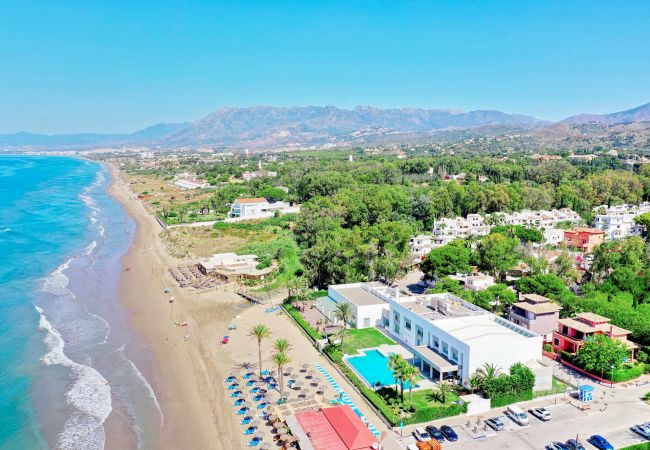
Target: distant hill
260,126
149,134
638,114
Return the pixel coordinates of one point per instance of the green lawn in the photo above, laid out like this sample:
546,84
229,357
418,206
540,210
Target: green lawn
363,338
425,398
558,388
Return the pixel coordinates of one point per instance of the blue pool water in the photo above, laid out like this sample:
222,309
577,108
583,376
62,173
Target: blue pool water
373,367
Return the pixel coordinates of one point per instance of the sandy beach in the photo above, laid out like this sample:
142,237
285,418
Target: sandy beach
187,379
191,363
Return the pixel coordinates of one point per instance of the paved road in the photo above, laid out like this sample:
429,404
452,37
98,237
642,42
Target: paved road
622,409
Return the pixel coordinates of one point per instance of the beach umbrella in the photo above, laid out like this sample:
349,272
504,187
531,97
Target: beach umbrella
272,417
248,405
298,383
265,447
289,369
277,424
284,437
281,430
255,423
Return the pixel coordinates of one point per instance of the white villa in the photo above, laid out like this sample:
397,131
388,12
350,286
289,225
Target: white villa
618,221
258,208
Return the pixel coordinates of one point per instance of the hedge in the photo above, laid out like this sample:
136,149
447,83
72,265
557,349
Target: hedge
422,415
644,446
293,312
506,399
627,373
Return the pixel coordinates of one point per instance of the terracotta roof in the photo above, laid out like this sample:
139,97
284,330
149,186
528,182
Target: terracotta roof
585,230
538,308
577,325
250,200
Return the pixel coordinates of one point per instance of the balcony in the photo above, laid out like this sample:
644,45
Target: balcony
519,319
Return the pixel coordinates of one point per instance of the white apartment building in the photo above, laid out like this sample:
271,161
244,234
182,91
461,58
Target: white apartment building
618,221
474,224
452,338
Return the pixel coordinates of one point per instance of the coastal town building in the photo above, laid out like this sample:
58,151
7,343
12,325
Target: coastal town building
572,333
618,221
231,267
259,173
583,239
461,227
535,313
368,302
258,208
452,338
478,282
191,184
335,428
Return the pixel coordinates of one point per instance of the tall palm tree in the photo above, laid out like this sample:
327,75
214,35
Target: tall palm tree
281,359
282,345
344,313
398,365
487,372
412,376
260,332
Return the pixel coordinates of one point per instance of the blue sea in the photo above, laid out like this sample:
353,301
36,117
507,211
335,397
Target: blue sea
74,375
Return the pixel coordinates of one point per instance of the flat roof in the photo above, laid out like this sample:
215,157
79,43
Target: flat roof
577,325
538,308
536,298
250,200
441,363
488,328
359,296
593,317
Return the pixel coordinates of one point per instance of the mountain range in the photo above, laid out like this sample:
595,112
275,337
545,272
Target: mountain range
269,126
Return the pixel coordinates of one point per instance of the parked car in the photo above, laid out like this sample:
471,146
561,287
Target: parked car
518,415
496,423
600,442
557,446
574,445
541,413
449,433
642,430
421,435
435,433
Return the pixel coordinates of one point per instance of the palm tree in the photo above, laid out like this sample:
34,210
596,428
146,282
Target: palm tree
282,345
412,375
344,313
444,389
394,363
487,372
260,332
281,359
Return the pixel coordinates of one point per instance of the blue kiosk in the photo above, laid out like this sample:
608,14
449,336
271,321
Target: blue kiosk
586,393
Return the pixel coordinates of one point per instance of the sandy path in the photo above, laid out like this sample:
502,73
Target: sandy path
188,378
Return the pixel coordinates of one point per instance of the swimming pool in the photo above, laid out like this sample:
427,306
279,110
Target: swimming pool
373,367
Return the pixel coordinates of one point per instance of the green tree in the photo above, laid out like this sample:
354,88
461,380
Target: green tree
601,354
260,332
282,345
486,374
498,253
444,389
643,220
413,376
547,284
447,260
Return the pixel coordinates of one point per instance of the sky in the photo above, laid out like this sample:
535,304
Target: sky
118,66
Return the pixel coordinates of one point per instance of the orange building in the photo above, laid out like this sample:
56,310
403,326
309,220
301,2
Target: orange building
584,239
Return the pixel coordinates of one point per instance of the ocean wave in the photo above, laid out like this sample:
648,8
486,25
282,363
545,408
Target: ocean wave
6,230
57,282
89,248
101,230
90,394
144,381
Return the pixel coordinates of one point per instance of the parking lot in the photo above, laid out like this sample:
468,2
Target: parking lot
567,422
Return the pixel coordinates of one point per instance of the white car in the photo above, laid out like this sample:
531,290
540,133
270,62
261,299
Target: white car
642,430
421,435
541,413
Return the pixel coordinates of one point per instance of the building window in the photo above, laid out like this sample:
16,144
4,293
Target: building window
396,322
419,331
445,348
556,342
454,355
407,323
565,330
436,343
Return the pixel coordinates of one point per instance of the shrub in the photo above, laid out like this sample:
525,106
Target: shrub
646,397
429,414
548,348
507,399
313,334
627,373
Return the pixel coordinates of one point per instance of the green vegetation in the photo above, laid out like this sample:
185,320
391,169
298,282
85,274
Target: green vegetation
643,446
364,338
558,387
504,389
601,354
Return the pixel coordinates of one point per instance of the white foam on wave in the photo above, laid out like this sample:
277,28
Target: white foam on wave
144,381
6,230
89,395
57,282
89,248
101,230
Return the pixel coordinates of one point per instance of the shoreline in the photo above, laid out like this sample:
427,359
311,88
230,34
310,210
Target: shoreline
187,378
